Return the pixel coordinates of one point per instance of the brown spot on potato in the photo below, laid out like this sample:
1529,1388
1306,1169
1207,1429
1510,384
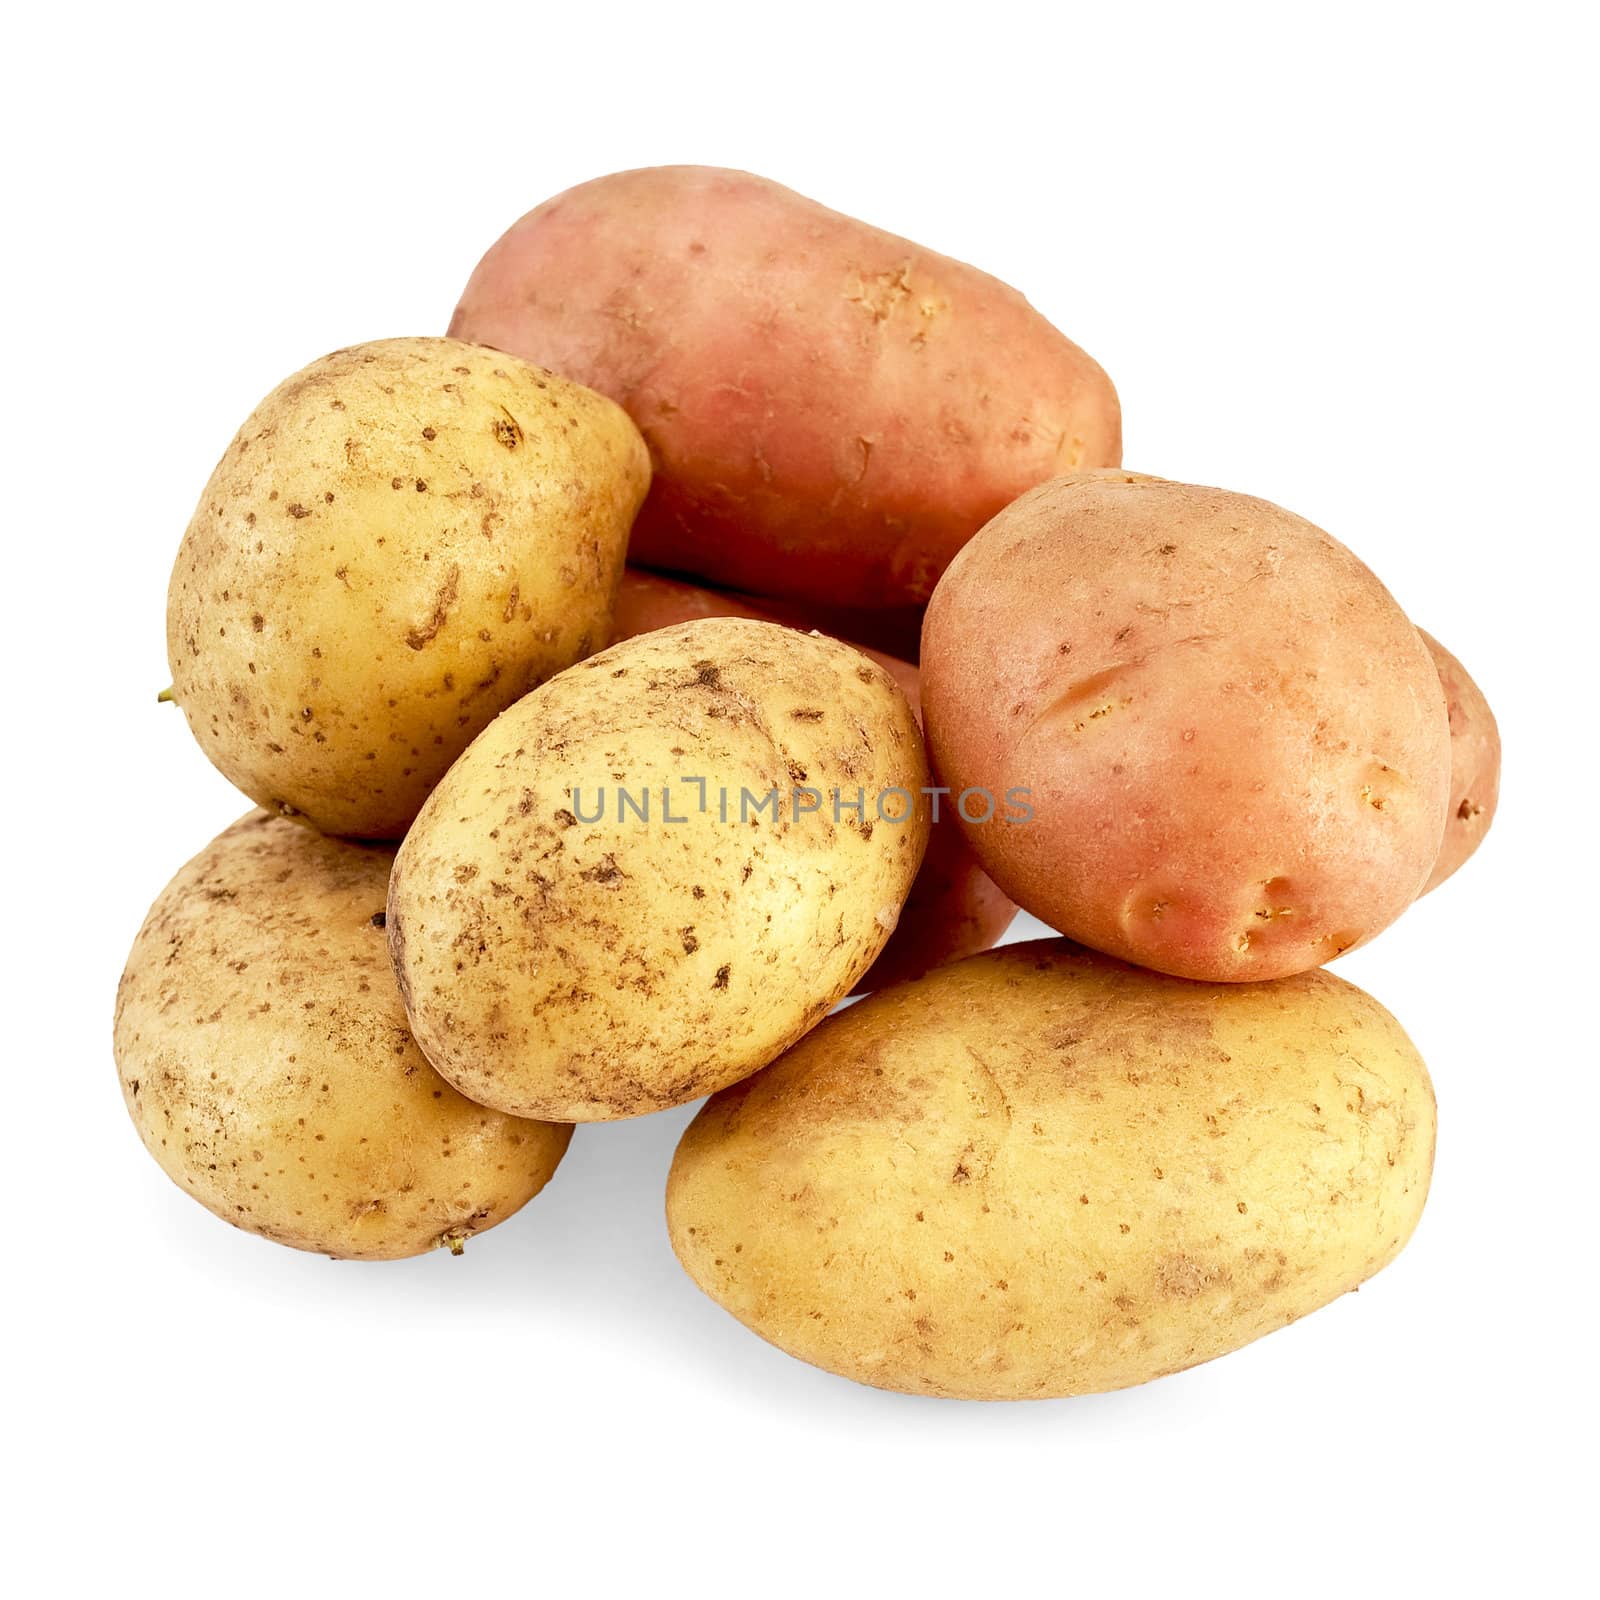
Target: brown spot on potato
420,637
507,430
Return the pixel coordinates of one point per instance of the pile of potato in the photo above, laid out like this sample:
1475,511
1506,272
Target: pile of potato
547,838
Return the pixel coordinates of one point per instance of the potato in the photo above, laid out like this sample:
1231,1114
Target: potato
647,602
403,539
590,919
266,1062
831,410
1040,1172
889,631
1474,764
954,909
1234,742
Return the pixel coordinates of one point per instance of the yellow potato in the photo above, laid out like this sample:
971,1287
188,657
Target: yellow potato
1041,1172
564,956
265,1059
402,540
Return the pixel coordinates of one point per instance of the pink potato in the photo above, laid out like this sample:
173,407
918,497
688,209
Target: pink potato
1233,740
892,631
954,909
648,600
1474,764
831,411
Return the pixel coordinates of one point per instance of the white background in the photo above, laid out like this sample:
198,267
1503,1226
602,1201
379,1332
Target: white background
1337,256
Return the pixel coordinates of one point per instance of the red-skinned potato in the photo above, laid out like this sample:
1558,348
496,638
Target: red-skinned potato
954,909
893,631
655,600
647,601
832,411
1474,764
1234,741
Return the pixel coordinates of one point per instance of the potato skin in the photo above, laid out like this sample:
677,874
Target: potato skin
648,601
403,539
561,960
1235,741
265,1059
892,631
1474,764
1040,1172
954,909
831,410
